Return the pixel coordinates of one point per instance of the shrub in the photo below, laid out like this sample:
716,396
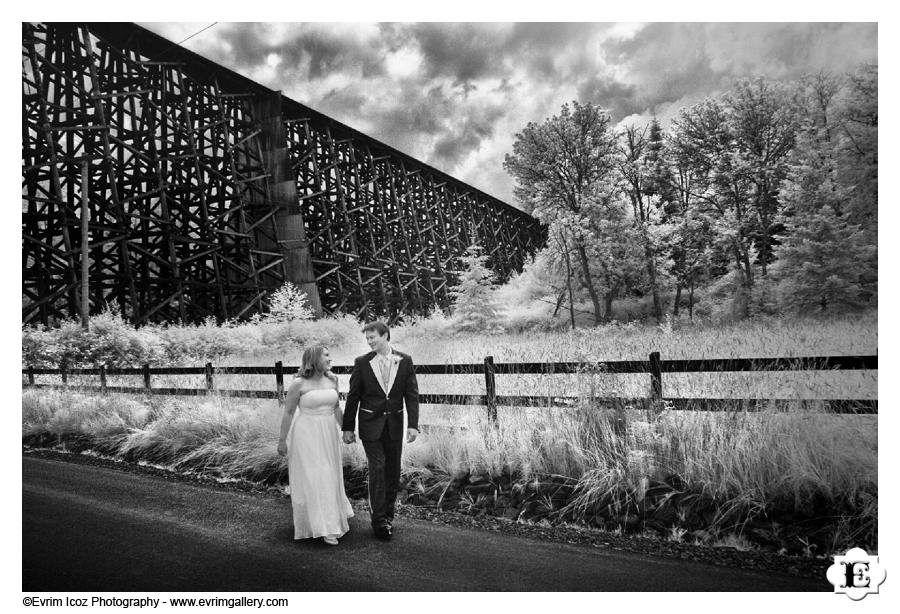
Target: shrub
207,341
287,304
297,334
435,324
723,300
474,305
109,340
40,347
538,316
116,343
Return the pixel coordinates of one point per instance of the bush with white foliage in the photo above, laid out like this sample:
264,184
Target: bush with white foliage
286,304
474,302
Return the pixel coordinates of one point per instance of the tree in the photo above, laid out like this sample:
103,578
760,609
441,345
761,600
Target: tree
825,259
565,168
857,146
474,307
820,264
686,220
690,247
763,120
737,150
559,259
642,173
616,253
700,148
286,304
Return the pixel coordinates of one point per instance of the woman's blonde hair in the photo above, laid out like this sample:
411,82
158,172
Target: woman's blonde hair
311,363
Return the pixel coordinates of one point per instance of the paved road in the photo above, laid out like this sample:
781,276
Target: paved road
90,528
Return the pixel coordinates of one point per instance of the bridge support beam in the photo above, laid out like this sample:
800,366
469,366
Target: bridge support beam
282,195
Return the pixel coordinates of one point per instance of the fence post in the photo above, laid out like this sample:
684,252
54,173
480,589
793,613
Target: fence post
209,378
146,369
103,378
655,377
655,383
490,387
62,373
279,381
31,375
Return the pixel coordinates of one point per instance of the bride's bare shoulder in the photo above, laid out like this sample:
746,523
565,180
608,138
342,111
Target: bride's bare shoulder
303,385
299,384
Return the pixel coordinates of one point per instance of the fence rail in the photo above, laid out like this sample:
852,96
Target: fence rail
654,366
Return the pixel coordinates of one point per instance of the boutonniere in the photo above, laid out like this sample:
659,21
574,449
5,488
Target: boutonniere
396,359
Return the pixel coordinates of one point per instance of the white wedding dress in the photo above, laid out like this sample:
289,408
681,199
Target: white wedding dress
315,471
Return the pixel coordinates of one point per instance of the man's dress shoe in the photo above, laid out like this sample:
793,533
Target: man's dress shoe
384,532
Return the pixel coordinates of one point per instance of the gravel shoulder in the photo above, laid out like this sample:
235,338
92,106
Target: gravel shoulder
565,534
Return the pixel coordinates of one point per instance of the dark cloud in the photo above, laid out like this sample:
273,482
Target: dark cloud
555,51
670,61
462,52
465,134
309,50
343,102
420,111
409,117
616,97
465,52
546,37
247,42
434,123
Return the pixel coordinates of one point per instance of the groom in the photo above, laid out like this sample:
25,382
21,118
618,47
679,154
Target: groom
379,384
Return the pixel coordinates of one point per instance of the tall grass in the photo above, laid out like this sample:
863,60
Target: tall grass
759,337
729,470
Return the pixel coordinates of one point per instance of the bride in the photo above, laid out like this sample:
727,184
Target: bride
311,442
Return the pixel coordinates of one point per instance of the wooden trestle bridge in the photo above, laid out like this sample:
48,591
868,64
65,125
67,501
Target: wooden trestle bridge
200,191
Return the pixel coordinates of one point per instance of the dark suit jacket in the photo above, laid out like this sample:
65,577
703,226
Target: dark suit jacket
375,407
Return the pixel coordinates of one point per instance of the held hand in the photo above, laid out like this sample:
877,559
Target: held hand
282,448
349,436
411,435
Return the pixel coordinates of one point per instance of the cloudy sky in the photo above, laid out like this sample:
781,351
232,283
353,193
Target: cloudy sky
455,94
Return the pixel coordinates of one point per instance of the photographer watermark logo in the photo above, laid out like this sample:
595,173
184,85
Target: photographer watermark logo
856,574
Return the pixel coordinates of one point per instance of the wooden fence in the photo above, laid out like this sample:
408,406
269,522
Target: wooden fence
654,366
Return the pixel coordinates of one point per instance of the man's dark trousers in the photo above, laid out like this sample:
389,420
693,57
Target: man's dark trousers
383,456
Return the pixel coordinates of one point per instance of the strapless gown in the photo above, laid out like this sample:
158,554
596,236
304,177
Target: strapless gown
315,471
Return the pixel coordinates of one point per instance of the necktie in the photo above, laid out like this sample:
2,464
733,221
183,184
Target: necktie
386,372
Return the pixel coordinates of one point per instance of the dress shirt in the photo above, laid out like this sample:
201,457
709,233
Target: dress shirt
384,363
